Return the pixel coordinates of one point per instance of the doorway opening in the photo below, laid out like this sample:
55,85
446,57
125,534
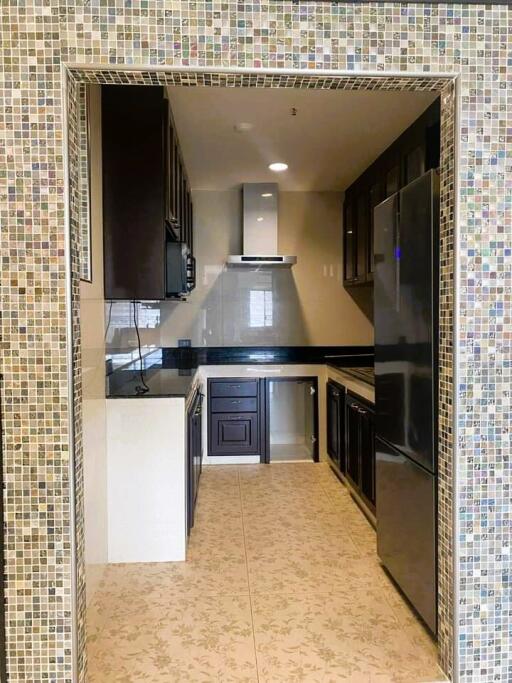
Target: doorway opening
79,80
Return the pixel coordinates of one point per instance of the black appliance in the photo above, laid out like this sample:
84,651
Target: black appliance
194,455
406,305
180,272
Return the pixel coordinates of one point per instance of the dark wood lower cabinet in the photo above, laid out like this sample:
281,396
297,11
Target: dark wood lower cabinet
336,423
351,439
235,417
360,447
194,455
367,474
235,434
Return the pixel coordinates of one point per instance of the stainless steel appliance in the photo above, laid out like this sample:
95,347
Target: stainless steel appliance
260,228
406,303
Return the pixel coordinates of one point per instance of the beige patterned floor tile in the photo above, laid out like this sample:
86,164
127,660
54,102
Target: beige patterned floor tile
323,608
198,639
216,544
227,576
329,637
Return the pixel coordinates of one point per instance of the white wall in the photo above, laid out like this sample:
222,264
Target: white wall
303,305
93,375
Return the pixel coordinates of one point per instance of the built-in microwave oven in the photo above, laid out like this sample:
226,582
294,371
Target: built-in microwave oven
180,271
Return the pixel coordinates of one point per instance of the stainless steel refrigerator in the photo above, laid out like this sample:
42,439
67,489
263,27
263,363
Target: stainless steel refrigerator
406,331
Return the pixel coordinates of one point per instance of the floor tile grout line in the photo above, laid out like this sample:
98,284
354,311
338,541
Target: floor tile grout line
248,577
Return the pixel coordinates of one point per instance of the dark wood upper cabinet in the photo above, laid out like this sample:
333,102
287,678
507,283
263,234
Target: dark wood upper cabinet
416,151
392,177
349,240
362,230
377,195
145,190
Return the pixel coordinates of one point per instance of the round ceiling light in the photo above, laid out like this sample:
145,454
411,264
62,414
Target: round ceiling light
278,166
243,127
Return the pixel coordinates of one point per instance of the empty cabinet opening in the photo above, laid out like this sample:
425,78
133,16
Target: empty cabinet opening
292,420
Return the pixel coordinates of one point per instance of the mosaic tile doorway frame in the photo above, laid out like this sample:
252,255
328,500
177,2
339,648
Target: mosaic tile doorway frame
75,78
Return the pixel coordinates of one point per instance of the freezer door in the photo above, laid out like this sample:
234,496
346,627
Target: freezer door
406,528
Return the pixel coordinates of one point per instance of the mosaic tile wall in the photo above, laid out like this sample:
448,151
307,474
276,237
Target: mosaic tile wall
36,38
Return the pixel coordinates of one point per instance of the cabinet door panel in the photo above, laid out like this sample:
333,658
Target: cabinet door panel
134,192
363,222
349,241
414,163
393,179
376,196
367,444
173,217
352,443
234,434
335,424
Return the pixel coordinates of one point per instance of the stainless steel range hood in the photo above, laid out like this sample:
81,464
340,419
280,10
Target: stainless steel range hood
260,204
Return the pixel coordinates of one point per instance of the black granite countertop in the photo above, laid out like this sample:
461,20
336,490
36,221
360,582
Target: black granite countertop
169,372
361,374
161,382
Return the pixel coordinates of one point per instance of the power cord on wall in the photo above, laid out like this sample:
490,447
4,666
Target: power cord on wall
141,388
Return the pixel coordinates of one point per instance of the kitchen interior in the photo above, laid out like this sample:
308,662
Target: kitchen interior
259,355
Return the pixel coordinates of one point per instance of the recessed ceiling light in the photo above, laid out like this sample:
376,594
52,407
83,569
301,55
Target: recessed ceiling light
259,219
243,127
278,166
267,194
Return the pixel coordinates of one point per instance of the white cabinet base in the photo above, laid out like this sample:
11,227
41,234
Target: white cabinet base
146,479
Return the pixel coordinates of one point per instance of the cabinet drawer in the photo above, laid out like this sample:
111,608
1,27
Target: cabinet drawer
234,388
234,405
234,434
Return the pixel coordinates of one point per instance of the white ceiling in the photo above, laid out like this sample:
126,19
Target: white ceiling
332,139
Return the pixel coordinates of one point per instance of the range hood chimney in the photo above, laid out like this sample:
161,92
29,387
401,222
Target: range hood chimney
260,202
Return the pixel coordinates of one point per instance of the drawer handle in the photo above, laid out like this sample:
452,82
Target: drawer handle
236,402
234,386
236,418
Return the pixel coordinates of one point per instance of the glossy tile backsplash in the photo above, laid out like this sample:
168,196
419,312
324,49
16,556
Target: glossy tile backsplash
237,306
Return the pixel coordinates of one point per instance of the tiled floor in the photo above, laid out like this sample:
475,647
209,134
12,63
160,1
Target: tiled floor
282,584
